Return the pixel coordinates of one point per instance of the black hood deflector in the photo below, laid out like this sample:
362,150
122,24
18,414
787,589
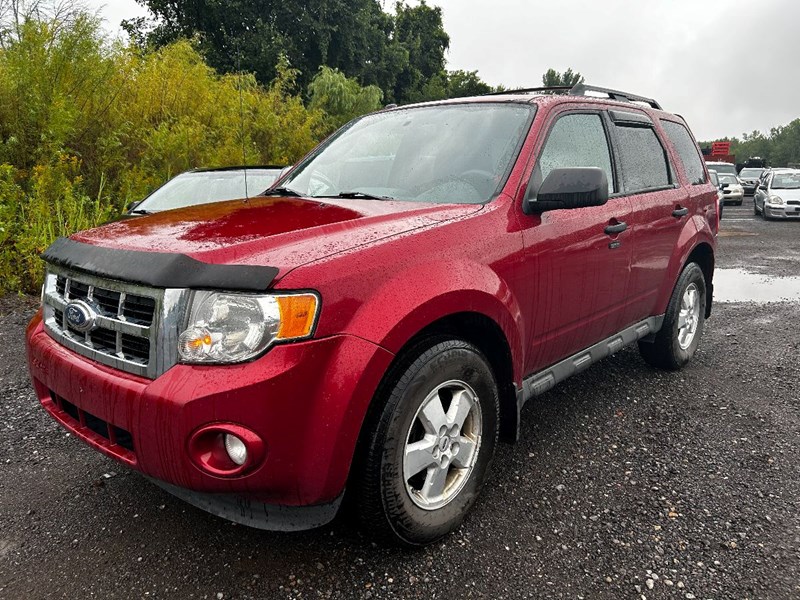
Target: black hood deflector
157,269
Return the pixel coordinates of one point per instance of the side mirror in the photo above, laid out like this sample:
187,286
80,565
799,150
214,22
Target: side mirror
725,186
132,205
573,187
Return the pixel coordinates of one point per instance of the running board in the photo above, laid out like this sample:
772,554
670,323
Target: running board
539,383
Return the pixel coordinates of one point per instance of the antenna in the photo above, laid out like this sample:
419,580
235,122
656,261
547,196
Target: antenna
241,117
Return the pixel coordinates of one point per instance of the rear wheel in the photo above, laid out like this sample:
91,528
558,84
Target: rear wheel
677,340
755,207
430,445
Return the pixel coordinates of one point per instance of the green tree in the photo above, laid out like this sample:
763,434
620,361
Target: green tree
553,78
466,83
399,53
420,31
341,98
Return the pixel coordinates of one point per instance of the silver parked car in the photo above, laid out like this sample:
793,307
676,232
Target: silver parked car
778,195
732,190
749,177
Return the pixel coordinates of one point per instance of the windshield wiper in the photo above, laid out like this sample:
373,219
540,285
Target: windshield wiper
140,211
358,196
282,191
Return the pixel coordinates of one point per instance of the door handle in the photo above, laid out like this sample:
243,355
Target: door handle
617,228
680,212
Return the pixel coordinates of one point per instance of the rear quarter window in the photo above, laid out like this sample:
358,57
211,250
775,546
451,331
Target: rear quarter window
684,145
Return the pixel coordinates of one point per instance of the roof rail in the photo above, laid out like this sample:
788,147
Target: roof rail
580,89
552,88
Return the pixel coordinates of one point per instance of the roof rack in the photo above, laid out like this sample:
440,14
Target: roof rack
580,89
552,88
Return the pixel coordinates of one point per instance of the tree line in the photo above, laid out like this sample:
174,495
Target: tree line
780,147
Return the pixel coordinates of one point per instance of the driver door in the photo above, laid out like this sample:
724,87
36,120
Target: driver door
577,260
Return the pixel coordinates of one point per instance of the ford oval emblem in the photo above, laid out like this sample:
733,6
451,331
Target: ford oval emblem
80,316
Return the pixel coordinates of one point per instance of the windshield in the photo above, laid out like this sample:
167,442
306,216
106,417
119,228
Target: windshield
786,181
723,168
751,173
727,178
455,153
203,187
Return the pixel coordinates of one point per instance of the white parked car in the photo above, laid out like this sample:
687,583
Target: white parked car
778,195
732,190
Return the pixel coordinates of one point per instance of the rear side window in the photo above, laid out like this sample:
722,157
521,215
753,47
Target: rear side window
687,151
576,140
643,161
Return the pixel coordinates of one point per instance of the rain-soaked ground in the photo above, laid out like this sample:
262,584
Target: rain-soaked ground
627,483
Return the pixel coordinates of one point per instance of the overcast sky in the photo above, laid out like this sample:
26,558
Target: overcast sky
727,66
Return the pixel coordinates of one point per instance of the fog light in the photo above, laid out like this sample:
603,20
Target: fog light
236,449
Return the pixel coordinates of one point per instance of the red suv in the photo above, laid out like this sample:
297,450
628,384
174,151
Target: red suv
377,321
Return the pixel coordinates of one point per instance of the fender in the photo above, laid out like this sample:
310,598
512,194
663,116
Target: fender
695,232
415,298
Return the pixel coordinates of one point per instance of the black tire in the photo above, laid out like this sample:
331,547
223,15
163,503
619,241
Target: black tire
382,499
764,214
755,207
664,351
739,203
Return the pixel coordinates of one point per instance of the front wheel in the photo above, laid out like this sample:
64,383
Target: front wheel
429,447
677,340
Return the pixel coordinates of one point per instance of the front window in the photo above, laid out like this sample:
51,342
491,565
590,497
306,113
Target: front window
786,181
453,153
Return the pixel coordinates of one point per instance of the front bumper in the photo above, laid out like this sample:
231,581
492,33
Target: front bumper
306,401
733,196
782,211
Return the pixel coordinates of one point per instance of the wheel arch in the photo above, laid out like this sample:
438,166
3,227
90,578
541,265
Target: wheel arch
703,255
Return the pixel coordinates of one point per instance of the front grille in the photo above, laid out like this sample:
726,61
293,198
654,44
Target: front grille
793,202
135,328
113,435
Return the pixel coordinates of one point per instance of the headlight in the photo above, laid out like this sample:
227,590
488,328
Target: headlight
775,200
230,328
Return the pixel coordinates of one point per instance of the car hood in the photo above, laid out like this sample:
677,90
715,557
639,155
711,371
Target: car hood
276,231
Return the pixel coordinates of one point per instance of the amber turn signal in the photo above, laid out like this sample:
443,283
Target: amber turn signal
298,313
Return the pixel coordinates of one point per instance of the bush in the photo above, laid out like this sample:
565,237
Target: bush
88,125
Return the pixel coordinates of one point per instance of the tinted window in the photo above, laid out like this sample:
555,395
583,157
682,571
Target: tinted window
576,141
644,165
687,151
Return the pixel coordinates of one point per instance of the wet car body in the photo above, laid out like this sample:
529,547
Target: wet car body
382,266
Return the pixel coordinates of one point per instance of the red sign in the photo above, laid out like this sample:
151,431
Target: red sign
720,148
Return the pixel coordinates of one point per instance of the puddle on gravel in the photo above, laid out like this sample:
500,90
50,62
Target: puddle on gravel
738,285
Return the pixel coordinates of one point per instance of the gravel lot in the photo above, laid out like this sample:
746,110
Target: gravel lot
628,483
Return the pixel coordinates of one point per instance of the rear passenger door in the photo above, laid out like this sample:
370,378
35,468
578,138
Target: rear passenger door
660,207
